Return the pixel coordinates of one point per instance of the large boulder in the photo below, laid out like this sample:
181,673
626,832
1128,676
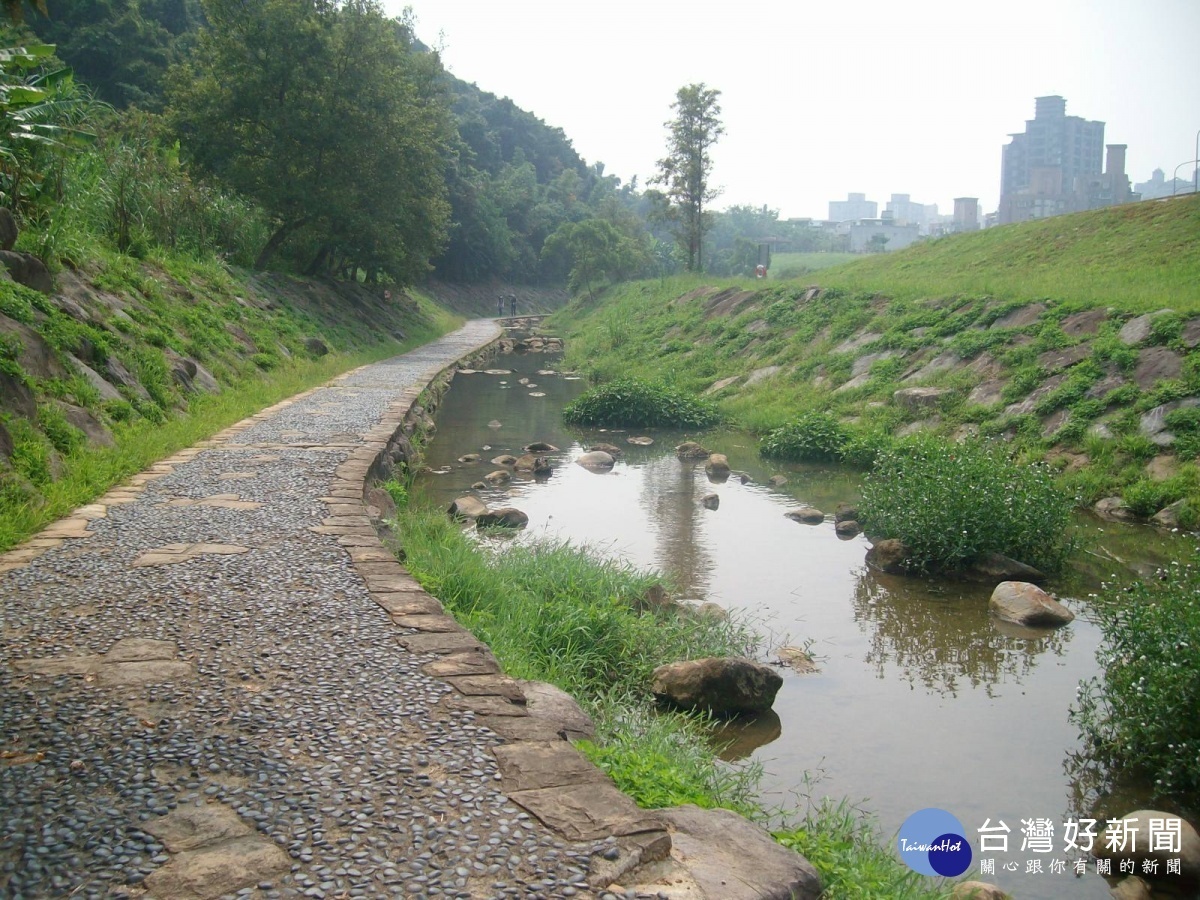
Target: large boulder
889,555
596,461
920,398
710,501
611,449
717,466
93,429
720,685
502,517
467,507
1027,604
715,853
977,890
1165,825
498,477
27,269
540,447
16,396
529,462
552,704
691,450
996,567
809,515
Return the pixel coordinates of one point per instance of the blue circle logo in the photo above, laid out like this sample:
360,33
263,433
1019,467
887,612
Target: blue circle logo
932,842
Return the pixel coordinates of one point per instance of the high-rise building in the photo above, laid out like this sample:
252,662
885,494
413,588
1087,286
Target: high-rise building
1056,166
854,207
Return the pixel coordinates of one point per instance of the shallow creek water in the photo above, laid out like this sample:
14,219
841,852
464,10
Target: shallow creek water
921,698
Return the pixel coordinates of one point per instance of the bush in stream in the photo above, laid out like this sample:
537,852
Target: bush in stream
1139,716
638,403
813,437
951,503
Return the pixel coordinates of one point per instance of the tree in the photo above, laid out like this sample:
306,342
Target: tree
594,249
685,169
330,118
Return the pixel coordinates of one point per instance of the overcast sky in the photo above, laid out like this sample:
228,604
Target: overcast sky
820,99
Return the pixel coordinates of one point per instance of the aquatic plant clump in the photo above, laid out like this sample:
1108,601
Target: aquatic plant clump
640,403
813,437
951,503
1139,716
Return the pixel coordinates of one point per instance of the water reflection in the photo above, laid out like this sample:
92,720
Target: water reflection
671,500
940,635
738,738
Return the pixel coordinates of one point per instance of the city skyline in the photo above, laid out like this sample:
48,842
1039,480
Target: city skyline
819,103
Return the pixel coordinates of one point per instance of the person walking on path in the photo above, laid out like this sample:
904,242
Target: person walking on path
512,304
499,304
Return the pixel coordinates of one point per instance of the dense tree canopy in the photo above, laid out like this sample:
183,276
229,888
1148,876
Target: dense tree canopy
328,117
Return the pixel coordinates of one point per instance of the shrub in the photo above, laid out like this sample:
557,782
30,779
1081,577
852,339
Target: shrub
637,403
1139,716
813,437
951,503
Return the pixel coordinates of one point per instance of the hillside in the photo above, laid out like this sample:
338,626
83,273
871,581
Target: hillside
1083,350
121,363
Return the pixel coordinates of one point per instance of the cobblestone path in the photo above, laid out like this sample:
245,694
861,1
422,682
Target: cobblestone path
200,698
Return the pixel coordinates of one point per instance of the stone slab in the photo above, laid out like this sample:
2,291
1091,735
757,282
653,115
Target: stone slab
219,869
434,624
488,685
487,705
391,583
587,812
192,827
446,642
409,603
154,671
470,662
533,765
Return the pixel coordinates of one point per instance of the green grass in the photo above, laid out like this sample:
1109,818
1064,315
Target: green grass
1138,257
797,265
560,614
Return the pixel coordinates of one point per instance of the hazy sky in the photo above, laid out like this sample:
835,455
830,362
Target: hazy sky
820,99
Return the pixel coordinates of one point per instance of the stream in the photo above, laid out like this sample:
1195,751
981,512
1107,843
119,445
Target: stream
921,699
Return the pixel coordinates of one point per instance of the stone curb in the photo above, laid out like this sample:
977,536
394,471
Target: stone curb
540,770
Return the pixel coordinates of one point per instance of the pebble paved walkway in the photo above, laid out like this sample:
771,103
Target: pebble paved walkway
199,697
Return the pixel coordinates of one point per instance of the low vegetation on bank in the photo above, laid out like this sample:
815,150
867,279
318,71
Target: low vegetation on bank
640,403
131,360
562,614
1139,716
1104,386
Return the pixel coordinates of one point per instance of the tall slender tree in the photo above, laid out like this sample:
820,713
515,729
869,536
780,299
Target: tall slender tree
684,171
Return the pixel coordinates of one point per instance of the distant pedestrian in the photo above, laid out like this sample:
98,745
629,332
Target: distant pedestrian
512,304
499,304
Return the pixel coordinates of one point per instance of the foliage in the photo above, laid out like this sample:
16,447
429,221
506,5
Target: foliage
845,847
331,119
398,491
595,249
639,403
950,503
685,170
663,759
41,114
813,437
1139,716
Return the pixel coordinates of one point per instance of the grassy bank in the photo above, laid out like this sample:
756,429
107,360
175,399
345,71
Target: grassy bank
128,361
557,613
1139,257
1065,366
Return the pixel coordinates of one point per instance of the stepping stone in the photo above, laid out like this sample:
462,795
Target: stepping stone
177,553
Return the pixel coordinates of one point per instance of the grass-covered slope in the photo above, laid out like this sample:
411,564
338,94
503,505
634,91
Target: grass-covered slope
1139,257
125,362
1083,348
